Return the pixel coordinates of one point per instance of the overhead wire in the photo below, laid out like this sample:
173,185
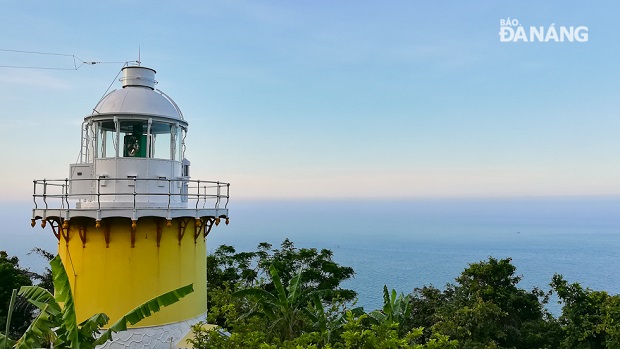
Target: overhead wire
109,87
76,60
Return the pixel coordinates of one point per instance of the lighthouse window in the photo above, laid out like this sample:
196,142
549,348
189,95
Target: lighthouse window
133,139
106,139
161,146
162,140
106,147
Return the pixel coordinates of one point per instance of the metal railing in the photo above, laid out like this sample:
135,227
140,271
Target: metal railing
198,194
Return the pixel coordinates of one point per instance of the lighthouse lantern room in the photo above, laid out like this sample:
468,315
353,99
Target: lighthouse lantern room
130,222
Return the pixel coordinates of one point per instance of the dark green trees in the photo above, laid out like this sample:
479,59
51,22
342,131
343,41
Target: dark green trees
486,309
229,271
319,271
12,276
590,319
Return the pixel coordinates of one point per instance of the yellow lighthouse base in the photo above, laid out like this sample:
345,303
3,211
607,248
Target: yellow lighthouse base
117,264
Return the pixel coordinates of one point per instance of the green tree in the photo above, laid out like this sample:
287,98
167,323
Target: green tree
425,305
12,276
359,335
229,271
318,270
396,310
56,322
486,309
213,339
328,322
590,319
284,310
45,280
248,269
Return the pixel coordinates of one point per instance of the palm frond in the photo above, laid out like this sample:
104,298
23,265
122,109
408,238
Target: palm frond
258,293
40,298
63,294
9,342
145,310
293,288
93,324
277,282
40,327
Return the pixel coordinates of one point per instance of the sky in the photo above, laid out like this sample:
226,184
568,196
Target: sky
330,99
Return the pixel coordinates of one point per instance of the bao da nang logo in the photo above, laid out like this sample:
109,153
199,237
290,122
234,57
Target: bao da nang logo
510,30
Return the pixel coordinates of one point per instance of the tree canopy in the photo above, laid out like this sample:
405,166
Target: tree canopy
291,298
12,276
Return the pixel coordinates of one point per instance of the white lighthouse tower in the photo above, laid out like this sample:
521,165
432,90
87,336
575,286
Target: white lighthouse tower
130,222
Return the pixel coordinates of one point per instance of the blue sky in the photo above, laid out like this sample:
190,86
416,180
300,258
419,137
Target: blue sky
331,99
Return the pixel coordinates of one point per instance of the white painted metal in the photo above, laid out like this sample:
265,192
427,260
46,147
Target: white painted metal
138,76
81,184
152,180
131,198
139,101
151,177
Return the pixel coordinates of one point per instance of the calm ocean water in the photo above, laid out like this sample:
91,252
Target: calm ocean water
408,244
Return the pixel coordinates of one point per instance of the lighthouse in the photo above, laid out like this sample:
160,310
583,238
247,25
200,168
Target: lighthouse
131,223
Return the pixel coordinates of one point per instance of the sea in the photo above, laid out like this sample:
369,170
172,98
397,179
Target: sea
406,244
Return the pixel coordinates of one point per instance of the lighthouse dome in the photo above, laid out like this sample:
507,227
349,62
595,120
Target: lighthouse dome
138,97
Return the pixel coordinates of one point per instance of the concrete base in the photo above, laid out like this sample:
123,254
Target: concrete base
153,337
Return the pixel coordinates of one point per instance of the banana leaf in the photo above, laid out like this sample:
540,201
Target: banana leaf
62,290
40,298
145,310
40,328
8,341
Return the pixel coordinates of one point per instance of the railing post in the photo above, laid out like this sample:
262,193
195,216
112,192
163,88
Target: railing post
45,193
99,193
169,193
34,194
198,195
204,203
227,194
67,192
217,198
134,192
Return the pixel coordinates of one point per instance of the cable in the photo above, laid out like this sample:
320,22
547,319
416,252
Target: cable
75,59
36,52
112,83
47,68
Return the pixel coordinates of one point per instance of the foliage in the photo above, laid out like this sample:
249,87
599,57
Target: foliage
425,305
284,310
590,319
45,280
357,334
249,269
396,310
329,321
486,309
213,339
229,271
12,276
56,322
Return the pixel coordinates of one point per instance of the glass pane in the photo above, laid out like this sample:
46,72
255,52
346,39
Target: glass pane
162,146
180,136
161,140
133,138
108,146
